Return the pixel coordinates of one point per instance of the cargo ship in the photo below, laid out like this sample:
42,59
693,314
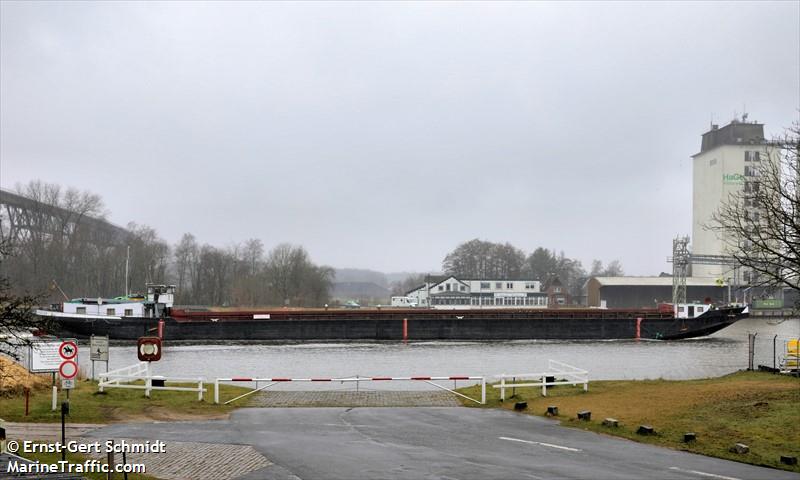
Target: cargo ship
127,318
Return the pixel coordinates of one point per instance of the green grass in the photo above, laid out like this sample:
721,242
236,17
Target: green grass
761,410
87,405
77,458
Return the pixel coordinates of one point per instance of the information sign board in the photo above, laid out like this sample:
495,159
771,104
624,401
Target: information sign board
98,348
43,356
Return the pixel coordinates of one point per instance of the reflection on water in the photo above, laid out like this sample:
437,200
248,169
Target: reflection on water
719,354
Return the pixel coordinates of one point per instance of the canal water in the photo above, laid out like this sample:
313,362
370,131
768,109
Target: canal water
724,352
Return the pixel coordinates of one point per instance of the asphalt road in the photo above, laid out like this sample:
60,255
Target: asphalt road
437,443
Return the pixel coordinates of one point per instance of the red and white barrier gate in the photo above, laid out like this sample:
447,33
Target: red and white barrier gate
357,380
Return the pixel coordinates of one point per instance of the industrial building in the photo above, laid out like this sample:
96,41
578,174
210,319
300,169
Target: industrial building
644,292
728,163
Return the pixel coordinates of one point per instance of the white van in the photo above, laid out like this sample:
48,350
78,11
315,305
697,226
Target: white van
404,302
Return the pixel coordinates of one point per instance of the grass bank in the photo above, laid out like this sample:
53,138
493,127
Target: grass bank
761,410
87,405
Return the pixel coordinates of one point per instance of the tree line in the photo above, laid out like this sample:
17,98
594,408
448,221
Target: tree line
57,249
482,259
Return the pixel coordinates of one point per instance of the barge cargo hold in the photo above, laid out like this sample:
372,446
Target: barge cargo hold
397,324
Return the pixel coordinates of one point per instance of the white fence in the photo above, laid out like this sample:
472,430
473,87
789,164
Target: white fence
357,380
557,373
123,378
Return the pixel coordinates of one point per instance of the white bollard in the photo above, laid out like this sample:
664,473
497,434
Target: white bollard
148,383
200,391
55,397
216,390
483,390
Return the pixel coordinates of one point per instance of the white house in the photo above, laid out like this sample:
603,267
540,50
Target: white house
452,292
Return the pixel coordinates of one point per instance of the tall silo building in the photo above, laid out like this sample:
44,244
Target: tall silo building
728,163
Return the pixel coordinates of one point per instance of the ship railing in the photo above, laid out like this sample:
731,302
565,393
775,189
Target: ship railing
271,381
126,377
558,373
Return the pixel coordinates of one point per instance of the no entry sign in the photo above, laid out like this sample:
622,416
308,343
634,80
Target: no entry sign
68,369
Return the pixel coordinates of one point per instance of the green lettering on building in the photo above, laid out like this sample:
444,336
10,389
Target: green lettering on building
733,178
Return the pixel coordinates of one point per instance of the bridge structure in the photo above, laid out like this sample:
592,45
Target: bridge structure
21,218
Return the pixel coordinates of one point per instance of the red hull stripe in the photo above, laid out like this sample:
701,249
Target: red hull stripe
241,379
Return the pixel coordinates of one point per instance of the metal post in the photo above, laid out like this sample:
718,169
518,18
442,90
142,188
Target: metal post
55,397
64,412
774,340
483,390
110,462
124,462
200,391
216,390
544,385
503,387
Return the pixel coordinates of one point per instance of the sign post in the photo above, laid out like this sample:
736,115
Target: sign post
98,350
68,370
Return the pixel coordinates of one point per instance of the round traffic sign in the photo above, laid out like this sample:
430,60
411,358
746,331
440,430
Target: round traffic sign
68,350
68,369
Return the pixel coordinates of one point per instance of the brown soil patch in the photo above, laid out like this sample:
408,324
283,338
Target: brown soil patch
158,414
14,379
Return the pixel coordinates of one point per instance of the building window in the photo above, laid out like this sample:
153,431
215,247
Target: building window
498,285
509,285
712,162
462,288
530,286
80,310
441,288
752,156
751,187
750,171
110,311
128,312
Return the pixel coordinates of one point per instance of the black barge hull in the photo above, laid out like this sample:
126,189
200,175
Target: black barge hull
390,324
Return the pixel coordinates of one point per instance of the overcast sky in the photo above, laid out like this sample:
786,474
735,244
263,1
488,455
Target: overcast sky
382,135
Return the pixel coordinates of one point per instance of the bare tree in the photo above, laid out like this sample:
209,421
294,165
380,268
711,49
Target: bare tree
16,312
761,223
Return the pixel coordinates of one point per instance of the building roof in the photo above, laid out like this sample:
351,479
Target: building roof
735,133
654,281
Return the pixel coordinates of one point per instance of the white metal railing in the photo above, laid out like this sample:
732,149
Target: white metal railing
357,379
561,374
123,378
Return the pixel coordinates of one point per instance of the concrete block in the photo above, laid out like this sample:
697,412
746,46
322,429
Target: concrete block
787,460
740,448
585,415
689,437
519,406
610,422
552,411
645,430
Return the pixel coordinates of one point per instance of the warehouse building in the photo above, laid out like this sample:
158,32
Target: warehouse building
644,292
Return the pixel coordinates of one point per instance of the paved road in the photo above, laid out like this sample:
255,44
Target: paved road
437,443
